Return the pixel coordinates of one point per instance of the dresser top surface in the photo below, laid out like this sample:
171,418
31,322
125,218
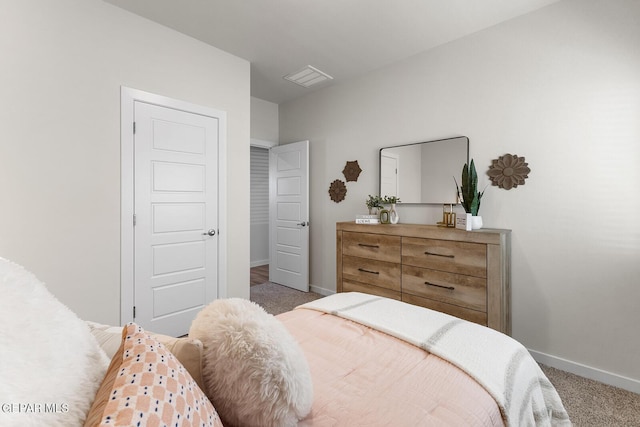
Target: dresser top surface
484,235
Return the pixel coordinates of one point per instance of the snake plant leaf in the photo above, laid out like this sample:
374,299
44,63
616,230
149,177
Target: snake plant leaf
469,189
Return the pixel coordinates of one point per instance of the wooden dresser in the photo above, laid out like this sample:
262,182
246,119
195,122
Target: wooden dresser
463,273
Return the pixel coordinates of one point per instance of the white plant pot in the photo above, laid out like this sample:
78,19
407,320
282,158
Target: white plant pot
476,222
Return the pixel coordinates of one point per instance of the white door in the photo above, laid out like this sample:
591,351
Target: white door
289,215
389,175
176,216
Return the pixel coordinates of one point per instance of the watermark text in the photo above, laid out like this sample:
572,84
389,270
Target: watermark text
33,408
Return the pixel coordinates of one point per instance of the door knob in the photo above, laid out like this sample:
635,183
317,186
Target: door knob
303,223
211,232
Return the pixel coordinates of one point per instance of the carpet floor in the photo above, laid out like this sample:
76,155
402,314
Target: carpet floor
589,403
276,299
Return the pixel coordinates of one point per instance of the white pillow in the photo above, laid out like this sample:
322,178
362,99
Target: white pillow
254,371
187,350
51,366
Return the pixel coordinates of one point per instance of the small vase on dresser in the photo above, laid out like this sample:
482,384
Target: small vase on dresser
393,214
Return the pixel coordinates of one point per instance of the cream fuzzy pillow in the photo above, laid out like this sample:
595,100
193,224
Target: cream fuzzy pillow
254,371
50,364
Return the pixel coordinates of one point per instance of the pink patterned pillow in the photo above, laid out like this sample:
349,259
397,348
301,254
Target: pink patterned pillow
152,388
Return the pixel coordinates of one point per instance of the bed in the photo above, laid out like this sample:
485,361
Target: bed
376,361
365,377
371,362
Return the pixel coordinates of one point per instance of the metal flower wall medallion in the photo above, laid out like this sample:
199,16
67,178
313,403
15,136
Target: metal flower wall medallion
337,191
508,171
351,171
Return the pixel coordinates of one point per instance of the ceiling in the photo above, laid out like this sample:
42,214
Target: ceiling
343,38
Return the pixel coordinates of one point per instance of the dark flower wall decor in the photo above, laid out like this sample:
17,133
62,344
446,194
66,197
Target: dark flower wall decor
508,171
351,171
337,191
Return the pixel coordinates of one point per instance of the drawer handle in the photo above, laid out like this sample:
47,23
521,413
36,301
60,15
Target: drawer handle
368,271
368,246
434,254
451,288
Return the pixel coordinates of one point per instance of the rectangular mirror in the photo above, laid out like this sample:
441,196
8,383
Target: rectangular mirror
423,172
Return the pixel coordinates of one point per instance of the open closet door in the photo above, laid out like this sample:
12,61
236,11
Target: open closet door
289,215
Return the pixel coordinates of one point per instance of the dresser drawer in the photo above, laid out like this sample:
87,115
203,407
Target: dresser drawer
444,255
369,271
457,289
453,310
374,246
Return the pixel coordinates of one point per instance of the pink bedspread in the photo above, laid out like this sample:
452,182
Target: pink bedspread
363,377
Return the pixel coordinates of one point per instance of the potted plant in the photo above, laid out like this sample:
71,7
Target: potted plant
373,202
390,200
469,195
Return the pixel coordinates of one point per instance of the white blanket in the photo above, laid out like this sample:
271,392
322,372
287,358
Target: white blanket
499,363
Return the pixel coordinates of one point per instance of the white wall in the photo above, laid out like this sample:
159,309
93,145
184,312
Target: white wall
560,86
264,120
63,63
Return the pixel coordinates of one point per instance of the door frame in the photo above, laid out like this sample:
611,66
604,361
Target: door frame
128,96
266,145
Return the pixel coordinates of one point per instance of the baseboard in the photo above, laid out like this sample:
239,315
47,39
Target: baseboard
322,291
259,263
587,371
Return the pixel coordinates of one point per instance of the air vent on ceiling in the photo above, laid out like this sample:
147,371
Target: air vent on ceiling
308,76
